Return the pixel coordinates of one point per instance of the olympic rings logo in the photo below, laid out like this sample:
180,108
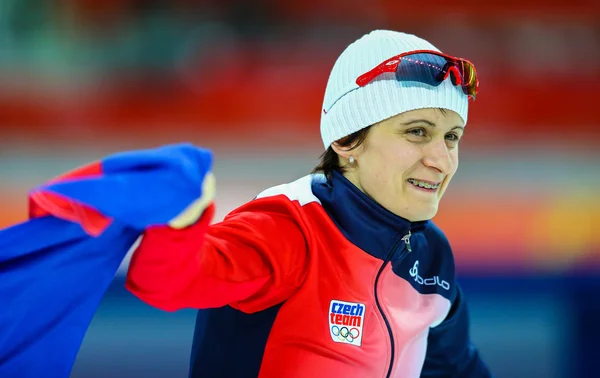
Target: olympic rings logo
345,334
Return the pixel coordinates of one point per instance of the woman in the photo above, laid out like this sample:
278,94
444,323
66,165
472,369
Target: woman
340,272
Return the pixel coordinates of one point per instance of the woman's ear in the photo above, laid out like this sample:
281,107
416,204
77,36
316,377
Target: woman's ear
348,155
345,154
346,151
342,152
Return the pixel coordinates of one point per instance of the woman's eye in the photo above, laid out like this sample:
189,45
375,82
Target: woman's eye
453,137
417,132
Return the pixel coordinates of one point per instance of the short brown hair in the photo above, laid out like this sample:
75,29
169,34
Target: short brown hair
329,161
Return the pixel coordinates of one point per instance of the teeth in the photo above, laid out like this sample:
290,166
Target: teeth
423,184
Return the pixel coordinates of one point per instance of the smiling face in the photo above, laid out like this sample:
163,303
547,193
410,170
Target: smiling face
406,162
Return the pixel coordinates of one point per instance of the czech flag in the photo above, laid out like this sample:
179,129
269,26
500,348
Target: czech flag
55,267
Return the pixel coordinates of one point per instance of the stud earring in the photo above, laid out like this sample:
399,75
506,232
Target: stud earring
351,160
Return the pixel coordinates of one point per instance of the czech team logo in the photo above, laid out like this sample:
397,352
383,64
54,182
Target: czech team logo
346,322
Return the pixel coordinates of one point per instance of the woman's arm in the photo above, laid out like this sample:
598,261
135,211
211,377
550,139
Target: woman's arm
255,258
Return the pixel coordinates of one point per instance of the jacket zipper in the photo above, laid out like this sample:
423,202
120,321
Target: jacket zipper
406,240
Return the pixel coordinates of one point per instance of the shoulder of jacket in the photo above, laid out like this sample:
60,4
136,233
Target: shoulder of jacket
439,246
435,235
285,199
441,252
299,190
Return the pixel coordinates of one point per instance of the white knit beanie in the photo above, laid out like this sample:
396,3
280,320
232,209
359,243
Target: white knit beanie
384,97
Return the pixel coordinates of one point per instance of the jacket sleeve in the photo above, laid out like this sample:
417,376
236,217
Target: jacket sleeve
450,352
255,258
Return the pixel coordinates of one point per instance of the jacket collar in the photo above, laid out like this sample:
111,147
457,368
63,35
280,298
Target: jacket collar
364,222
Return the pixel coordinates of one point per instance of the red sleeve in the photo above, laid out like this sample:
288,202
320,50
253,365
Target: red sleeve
252,260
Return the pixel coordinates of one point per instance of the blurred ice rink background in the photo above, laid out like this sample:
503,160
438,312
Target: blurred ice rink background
83,78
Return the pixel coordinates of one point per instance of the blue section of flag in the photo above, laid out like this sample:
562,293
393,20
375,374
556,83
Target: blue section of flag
53,274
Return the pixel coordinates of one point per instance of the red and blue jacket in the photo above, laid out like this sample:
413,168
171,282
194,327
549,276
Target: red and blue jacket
312,279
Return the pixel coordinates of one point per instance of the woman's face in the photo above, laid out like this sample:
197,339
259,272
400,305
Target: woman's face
407,161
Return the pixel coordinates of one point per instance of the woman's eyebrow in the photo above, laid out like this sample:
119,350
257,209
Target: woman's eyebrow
420,120
429,123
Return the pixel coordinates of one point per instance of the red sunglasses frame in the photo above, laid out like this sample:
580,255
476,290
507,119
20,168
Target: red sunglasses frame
390,65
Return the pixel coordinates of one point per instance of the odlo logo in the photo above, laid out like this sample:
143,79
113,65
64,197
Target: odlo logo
435,280
346,322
